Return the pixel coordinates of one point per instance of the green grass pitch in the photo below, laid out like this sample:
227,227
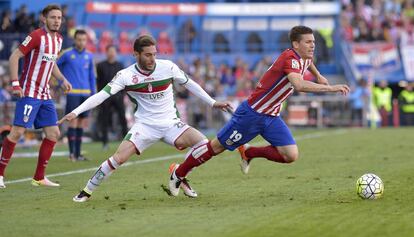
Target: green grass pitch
314,196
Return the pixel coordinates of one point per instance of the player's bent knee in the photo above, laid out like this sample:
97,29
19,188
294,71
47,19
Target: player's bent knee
291,156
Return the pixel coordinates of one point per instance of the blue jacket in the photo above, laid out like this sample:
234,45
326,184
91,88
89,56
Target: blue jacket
78,68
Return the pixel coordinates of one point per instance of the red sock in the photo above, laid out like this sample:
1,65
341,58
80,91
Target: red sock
45,153
268,152
6,153
196,157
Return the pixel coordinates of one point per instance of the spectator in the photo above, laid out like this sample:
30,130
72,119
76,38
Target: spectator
186,36
6,23
382,96
22,21
406,102
359,99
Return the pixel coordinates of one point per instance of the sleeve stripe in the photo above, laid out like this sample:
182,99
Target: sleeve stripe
186,77
107,89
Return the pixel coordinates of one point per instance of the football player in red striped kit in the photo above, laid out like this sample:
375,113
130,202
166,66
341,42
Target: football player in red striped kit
259,114
35,107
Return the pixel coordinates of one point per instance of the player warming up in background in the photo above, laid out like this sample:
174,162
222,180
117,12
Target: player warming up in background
259,114
35,106
77,65
149,83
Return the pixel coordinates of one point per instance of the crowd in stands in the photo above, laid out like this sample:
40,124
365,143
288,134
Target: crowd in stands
361,21
377,20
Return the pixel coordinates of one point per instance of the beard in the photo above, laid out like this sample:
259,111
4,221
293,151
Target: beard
52,29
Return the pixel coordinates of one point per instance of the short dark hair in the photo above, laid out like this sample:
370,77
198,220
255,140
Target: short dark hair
49,8
296,33
79,32
143,41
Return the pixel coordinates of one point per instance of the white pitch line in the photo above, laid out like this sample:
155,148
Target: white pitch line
170,157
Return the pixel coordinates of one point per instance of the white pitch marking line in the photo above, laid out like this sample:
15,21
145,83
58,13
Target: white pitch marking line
151,160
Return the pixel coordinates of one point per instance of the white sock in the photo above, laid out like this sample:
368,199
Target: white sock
104,171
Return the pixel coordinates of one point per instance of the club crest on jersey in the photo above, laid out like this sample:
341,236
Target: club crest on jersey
149,87
27,40
135,79
295,64
229,142
25,118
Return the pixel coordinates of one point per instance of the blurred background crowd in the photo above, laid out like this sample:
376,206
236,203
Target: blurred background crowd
364,43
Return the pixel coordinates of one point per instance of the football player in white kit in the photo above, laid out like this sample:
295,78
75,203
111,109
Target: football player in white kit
149,84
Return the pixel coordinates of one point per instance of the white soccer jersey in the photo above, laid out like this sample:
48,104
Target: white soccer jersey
152,93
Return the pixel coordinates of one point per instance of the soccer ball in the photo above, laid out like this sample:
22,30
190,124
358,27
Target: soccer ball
369,186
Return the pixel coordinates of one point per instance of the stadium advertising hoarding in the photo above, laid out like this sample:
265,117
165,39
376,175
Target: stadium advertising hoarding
216,9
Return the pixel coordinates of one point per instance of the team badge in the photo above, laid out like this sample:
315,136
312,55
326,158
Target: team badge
72,56
295,64
135,79
229,142
99,175
27,40
179,124
149,87
25,118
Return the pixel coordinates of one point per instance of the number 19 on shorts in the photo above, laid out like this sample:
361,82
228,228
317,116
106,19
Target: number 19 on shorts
234,137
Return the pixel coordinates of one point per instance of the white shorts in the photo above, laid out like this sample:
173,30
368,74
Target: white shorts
144,135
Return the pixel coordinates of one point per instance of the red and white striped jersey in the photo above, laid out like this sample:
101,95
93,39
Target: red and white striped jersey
274,87
41,50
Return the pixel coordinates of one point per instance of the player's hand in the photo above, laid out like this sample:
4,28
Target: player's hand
67,86
17,91
224,106
344,89
322,80
68,117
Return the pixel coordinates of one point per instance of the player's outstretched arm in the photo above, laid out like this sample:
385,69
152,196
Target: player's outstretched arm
88,104
68,117
202,94
320,79
224,106
307,86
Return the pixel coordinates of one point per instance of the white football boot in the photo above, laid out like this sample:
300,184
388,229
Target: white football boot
244,161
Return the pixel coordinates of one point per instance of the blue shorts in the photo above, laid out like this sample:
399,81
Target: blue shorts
73,101
246,124
31,111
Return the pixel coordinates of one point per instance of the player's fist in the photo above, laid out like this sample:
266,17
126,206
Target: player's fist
344,89
68,117
67,86
16,89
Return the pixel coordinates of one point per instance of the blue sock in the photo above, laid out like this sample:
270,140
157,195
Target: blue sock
71,133
78,141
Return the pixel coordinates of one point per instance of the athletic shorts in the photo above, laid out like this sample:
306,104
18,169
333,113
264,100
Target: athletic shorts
73,101
246,124
145,135
30,111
